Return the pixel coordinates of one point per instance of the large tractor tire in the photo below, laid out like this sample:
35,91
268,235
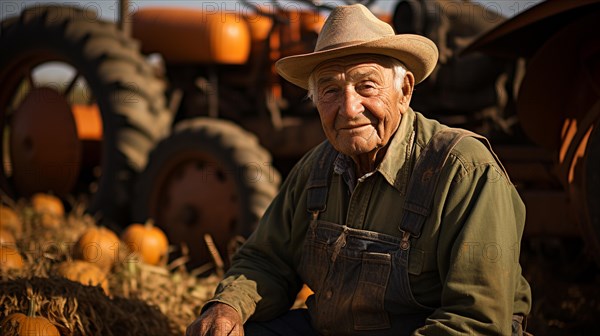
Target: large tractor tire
210,177
38,123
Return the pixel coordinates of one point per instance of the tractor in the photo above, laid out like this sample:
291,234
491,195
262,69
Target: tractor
170,114
178,115
556,101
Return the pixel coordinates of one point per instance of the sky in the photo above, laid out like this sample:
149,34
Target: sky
108,9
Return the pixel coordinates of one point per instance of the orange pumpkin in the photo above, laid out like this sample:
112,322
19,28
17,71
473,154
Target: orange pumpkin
100,246
7,238
148,241
10,258
9,220
46,203
21,324
26,325
83,272
50,208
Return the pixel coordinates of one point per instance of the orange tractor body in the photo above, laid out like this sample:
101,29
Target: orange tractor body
218,37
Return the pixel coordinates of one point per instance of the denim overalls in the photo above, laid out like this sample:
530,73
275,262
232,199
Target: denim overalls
360,278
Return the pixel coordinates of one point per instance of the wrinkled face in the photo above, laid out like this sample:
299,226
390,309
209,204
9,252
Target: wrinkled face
359,106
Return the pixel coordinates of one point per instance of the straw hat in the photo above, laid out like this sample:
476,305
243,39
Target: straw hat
351,30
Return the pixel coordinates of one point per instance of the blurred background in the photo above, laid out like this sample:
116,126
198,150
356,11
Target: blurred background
172,111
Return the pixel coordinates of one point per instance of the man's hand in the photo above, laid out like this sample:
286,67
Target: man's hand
218,320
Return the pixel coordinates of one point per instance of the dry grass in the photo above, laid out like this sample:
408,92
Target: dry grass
144,299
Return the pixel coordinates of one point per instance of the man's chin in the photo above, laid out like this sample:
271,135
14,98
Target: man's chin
356,149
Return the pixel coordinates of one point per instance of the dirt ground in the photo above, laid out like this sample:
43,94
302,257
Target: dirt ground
565,284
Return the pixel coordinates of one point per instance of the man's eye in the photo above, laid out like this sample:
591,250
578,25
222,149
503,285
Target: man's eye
328,95
329,91
366,87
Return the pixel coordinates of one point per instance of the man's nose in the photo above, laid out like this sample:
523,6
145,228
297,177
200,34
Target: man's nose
351,104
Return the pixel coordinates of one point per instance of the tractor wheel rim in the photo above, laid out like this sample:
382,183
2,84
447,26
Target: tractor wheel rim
197,196
45,151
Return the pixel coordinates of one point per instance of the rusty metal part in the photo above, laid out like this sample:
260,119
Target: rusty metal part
525,33
195,195
561,83
45,151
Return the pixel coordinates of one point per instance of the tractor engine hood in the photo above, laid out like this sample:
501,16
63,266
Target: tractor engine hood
183,35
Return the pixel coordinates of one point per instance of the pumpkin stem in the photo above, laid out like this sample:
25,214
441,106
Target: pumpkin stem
31,297
149,223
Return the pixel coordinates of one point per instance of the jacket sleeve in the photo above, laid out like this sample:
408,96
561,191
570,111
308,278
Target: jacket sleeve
262,282
481,225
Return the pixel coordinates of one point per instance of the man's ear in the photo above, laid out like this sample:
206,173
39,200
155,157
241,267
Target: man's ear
407,90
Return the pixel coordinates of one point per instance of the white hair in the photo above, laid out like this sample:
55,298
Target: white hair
397,67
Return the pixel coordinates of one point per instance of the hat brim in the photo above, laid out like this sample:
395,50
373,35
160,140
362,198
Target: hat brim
417,53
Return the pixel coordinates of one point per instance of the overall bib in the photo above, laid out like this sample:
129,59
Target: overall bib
360,278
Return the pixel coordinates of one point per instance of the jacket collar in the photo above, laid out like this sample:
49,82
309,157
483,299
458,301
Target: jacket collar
393,167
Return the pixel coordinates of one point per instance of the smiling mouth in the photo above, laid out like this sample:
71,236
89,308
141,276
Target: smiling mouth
354,127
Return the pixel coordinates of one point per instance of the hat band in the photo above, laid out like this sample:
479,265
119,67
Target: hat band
340,45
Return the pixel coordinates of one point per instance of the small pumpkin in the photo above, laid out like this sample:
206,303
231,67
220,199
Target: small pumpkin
49,208
7,238
21,324
10,258
9,220
148,241
83,272
98,245
46,203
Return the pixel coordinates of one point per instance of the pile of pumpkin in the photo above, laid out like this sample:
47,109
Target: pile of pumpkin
62,274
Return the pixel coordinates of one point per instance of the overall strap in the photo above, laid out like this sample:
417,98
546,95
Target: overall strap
318,181
425,176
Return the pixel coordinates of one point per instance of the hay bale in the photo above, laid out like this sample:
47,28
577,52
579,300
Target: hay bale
78,310
144,300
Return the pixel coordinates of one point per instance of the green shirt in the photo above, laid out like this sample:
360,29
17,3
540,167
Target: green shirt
466,261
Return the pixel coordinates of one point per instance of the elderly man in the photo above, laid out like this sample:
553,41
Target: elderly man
400,225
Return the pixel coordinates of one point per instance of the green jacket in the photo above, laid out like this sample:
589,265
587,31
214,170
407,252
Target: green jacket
466,261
